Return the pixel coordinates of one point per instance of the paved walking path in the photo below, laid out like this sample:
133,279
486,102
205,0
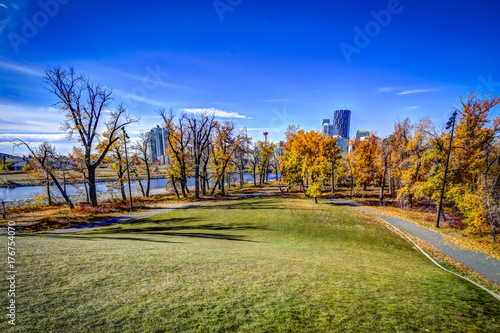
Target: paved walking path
139,215
477,261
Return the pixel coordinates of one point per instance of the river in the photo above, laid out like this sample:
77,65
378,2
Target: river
28,192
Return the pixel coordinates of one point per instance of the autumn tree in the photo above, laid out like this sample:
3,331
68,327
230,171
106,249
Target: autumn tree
364,166
225,145
85,104
309,158
473,157
328,159
415,165
116,158
266,151
179,138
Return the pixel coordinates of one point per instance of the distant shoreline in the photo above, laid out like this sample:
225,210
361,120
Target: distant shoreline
77,199
73,182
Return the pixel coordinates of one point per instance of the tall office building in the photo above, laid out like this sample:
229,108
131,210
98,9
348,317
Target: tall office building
341,123
341,142
157,143
361,134
325,126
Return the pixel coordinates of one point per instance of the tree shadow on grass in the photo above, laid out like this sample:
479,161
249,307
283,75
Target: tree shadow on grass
343,203
241,205
91,237
174,227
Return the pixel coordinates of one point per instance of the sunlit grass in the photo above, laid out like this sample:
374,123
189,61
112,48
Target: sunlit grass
255,265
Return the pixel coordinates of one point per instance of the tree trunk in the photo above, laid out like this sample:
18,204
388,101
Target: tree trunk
148,184
49,197
64,180
92,187
333,179
63,191
175,187
382,184
254,178
267,171
122,188
86,190
215,186
196,178
206,185
391,187
183,189
315,200
140,184
222,183
303,187
352,183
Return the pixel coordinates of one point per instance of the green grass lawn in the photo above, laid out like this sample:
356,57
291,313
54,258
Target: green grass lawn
256,265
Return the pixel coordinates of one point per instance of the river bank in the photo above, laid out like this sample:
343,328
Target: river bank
40,182
77,199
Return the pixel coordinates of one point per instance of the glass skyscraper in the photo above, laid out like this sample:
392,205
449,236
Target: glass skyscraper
341,123
157,143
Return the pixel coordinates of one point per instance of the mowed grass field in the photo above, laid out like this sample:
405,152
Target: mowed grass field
269,264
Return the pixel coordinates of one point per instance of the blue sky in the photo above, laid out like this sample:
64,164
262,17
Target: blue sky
264,64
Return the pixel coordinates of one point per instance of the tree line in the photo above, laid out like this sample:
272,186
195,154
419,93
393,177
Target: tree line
409,164
197,145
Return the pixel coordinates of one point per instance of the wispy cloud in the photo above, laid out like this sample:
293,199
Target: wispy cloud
6,19
137,98
154,77
216,112
277,100
54,137
386,89
257,129
29,119
415,91
414,107
18,68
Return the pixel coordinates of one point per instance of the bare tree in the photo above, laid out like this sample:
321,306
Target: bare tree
46,156
205,184
84,104
201,127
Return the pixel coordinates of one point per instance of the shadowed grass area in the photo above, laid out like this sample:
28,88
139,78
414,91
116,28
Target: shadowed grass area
256,265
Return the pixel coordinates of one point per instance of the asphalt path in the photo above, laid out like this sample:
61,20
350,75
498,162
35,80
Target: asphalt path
479,262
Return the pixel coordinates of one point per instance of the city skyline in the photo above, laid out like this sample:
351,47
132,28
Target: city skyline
386,61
